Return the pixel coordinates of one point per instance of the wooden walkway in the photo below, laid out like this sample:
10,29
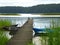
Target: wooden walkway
23,35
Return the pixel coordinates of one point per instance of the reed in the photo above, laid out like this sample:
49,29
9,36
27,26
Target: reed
4,23
3,38
54,34
29,43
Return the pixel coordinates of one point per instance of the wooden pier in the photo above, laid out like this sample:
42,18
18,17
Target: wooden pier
23,35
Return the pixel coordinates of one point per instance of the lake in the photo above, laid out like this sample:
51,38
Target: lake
38,22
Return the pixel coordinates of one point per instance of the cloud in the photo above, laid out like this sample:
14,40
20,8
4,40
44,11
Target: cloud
26,3
17,3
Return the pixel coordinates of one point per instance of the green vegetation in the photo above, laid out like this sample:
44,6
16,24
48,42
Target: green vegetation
30,43
42,8
8,13
4,23
3,37
53,36
50,13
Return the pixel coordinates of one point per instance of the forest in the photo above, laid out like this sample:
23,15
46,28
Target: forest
43,8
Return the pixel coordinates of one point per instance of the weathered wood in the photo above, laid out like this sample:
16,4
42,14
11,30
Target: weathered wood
23,35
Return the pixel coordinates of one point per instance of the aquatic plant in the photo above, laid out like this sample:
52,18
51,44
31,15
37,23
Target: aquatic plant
3,38
29,43
54,35
4,23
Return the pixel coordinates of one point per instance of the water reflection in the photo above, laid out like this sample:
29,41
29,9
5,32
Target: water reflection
15,20
40,23
36,40
7,34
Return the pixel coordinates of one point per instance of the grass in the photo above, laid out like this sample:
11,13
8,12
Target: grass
29,43
4,23
8,13
3,38
53,37
50,13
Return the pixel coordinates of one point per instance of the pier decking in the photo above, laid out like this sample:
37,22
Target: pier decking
23,35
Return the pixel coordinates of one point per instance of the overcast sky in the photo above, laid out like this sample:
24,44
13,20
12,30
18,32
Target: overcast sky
26,3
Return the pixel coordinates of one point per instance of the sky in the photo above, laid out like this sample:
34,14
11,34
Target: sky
26,3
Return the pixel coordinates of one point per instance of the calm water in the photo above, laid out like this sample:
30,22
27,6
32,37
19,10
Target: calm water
15,20
42,23
38,22
45,22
